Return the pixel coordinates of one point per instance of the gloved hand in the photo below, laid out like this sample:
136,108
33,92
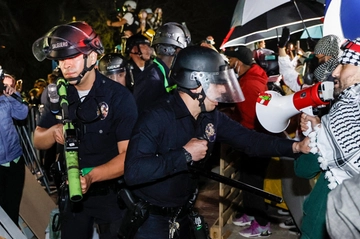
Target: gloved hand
285,37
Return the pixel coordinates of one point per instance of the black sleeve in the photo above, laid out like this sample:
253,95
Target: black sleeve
251,142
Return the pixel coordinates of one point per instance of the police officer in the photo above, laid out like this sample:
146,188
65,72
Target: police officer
183,129
103,113
113,65
169,39
139,52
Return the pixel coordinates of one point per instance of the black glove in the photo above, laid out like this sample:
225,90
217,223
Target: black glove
285,37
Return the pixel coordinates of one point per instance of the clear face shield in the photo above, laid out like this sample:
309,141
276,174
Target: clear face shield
222,86
47,46
41,48
118,76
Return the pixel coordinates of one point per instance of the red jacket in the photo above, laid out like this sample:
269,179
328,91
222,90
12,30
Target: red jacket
253,82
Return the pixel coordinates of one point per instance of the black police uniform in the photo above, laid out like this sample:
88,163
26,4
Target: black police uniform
134,73
149,86
156,162
98,144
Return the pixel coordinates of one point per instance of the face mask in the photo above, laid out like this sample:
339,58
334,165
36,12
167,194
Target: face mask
325,69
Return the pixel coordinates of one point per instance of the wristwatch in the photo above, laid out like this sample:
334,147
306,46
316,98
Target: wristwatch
187,156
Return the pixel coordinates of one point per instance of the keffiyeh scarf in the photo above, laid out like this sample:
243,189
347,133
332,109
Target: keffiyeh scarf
338,139
323,71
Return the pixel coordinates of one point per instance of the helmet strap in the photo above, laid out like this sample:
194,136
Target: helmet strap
81,75
198,96
138,53
201,98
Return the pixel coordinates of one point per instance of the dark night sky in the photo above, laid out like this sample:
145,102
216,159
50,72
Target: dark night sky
24,21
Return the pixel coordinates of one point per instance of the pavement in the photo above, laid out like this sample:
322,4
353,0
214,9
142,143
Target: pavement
208,206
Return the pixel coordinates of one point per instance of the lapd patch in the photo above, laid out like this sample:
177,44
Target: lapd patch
210,132
104,110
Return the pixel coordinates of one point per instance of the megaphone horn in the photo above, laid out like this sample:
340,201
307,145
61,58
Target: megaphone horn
274,110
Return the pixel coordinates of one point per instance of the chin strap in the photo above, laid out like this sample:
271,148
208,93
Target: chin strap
138,53
198,96
81,75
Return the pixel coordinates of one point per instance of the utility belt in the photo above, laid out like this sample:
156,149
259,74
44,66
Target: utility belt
136,213
138,210
168,211
103,188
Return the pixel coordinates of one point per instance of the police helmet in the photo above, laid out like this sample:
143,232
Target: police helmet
174,34
197,66
67,41
135,40
112,63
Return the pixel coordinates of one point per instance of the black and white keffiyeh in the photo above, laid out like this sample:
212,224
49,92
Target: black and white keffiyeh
350,56
323,71
328,46
338,138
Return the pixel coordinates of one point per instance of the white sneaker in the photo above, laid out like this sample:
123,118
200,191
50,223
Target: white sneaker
289,223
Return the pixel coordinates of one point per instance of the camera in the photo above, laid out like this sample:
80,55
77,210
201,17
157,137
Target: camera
2,76
1,73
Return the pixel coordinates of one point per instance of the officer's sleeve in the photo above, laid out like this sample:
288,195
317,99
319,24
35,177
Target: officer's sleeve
128,115
251,142
143,161
47,118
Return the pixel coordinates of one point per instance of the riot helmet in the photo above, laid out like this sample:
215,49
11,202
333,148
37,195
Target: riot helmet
171,36
113,65
67,41
197,66
136,40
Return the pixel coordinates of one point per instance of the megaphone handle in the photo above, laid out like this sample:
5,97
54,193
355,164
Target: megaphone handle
309,111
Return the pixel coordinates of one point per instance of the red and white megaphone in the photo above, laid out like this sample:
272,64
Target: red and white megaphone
274,110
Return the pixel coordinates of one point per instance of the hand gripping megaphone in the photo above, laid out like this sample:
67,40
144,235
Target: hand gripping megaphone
274,110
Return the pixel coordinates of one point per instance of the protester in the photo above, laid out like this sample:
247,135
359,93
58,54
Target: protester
182,130
143,25
253,81
334,142
320,64
103,113
343,210
129,22
260,52
154,20
209,42
12,167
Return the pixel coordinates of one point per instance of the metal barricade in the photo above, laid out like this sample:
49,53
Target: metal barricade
25,129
